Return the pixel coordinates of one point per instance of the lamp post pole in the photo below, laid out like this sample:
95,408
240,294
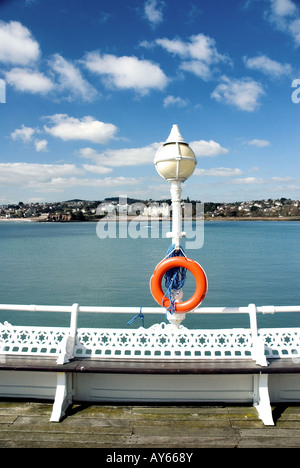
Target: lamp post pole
176,233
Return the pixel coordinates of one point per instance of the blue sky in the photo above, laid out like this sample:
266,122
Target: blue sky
92,88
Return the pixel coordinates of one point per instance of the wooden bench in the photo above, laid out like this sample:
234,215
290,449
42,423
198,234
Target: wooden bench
67,376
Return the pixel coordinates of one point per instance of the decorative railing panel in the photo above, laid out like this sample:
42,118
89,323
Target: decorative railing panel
281,342
163,342
22,340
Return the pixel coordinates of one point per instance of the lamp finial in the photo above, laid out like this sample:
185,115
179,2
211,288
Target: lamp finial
175,135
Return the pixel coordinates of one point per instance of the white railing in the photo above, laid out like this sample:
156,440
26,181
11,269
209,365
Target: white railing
160,341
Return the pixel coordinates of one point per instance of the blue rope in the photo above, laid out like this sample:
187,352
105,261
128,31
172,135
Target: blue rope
141,315
174,278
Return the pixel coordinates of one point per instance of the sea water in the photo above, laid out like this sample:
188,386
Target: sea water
65,263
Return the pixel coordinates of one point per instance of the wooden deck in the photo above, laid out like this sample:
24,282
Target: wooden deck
26,425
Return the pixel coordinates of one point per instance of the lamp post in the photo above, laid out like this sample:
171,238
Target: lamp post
175,162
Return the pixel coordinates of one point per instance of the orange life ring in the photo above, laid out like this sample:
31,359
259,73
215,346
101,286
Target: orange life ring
194,268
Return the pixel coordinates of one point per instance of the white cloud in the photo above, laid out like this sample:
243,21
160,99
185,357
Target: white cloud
200,47
219,172
122,157
198,55
27,80
108,181
284,14
58,184
268,66
242,93
258,142
70,79
283,7
200,69
144,155
207,148
127,72
87,128
253,169
24,133
96,169
147,44
248,181
41,145
29,174
294,28
17,46
177,101
55,177
153,12
174,46
282,179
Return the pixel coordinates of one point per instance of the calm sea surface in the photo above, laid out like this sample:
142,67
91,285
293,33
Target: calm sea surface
60,264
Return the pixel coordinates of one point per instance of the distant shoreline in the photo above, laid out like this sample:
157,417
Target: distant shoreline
285,218
149,219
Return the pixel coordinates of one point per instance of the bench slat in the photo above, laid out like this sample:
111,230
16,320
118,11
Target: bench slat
120,366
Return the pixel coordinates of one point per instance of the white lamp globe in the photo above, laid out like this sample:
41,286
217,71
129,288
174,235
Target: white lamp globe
175,160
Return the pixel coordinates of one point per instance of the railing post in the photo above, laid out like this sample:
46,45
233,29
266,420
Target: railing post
68,344
73,321
258,347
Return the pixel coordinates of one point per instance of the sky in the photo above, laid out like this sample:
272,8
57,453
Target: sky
89,90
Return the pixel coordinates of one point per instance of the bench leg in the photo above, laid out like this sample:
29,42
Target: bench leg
63,396
262,399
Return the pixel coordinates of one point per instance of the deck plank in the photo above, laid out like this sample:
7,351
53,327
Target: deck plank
27,425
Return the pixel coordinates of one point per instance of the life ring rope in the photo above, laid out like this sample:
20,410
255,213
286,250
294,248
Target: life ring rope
175,262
